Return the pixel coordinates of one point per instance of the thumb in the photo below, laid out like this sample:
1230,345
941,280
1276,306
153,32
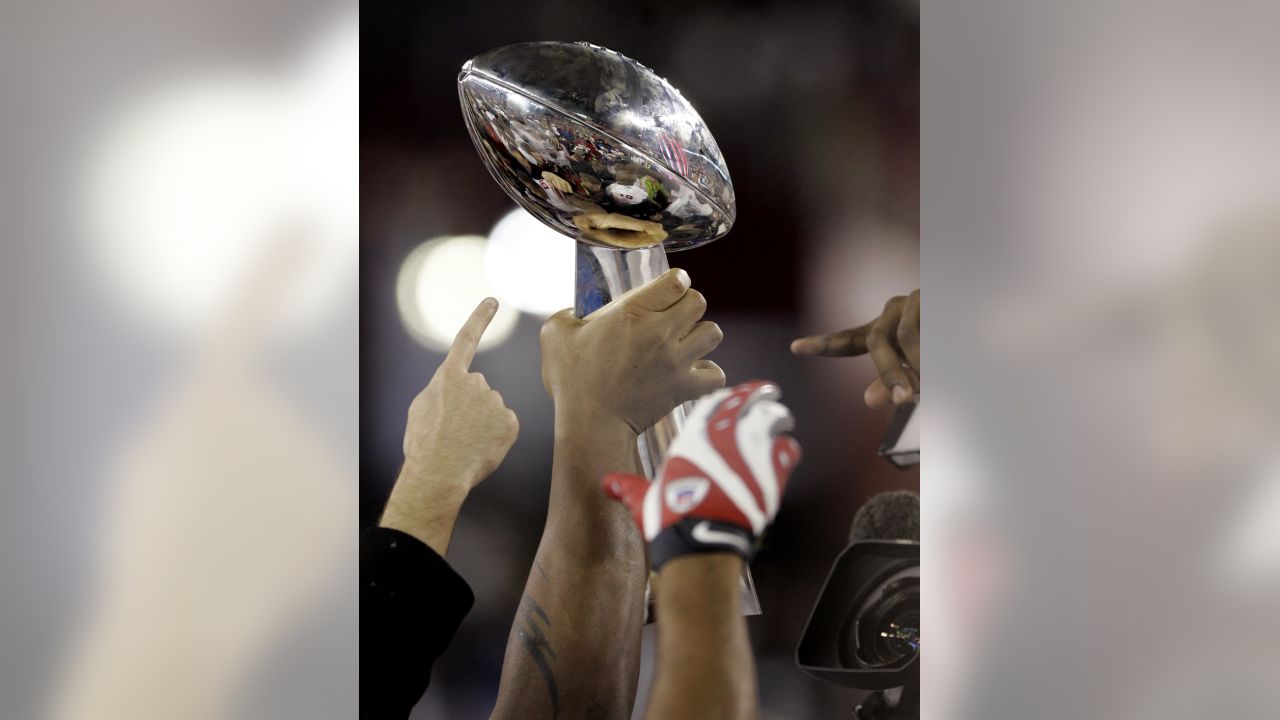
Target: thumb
660,293
630,490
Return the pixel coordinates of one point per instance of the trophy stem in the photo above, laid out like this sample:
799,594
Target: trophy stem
603,274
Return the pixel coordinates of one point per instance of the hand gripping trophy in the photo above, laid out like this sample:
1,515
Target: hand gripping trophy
600,148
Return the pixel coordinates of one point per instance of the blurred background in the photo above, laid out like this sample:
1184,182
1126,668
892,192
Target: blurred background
178,303
815,106
1101,246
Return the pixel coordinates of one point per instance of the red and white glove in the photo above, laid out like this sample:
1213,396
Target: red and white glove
722,481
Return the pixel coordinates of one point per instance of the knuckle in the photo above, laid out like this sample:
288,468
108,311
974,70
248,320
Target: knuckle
634,319
875,340
672,354
558,323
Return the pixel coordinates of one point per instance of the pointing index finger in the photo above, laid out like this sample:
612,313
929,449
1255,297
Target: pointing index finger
463,350
845,343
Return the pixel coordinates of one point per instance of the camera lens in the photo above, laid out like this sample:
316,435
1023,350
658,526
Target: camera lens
883,627
890,630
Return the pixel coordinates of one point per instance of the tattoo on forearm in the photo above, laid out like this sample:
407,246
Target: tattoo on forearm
532,635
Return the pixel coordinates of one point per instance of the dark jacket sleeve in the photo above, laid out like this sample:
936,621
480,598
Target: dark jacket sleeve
411,603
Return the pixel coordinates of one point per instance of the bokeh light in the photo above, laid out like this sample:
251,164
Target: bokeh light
529,264
181,190
440,282
196,184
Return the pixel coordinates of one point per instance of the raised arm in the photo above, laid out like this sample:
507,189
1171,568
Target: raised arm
457,433
411,600
574,649
705,666
718,490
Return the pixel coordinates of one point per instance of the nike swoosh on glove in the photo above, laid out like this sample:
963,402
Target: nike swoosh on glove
723,479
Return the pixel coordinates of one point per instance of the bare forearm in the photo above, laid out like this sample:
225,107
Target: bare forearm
574,649
705,668
424,508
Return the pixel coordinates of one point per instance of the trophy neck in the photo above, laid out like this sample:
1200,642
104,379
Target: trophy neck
605,273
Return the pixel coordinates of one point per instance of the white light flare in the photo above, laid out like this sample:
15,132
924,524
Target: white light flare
440,282
197,186
529,265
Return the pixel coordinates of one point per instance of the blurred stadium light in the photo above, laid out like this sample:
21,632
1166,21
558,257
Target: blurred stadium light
440,282
194,181
530,265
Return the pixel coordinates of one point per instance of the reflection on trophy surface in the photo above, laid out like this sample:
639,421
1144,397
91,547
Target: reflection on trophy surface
597,146
600,148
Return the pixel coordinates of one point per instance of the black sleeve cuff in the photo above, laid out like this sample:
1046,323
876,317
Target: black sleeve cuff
393,563
411,604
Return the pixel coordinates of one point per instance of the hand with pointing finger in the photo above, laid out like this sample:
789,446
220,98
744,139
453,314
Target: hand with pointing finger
458,432
892,340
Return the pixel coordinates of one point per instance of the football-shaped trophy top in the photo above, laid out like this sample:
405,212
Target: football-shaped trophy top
597,146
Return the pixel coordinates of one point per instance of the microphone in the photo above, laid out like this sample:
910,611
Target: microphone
893,515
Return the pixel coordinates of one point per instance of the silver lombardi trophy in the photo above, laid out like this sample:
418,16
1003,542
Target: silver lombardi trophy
600,148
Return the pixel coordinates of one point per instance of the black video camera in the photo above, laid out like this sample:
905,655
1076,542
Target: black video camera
864,631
